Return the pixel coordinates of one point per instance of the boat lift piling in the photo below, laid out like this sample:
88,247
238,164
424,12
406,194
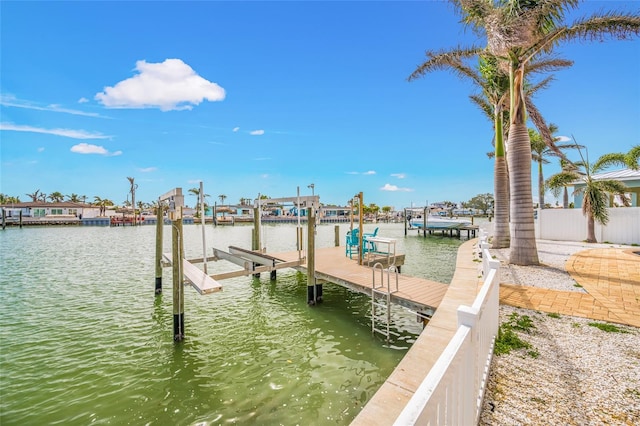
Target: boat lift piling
159,228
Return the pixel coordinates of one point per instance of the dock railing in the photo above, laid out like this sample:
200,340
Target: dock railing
453,390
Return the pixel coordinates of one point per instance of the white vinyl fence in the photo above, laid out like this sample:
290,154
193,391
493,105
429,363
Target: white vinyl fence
571,225
452,392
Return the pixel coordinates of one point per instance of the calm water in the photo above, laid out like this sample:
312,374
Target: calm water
84,340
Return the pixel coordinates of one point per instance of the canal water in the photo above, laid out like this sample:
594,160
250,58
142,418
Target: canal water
84,340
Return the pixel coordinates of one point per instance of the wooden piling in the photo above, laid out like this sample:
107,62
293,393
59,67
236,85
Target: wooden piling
336,235
177,238
159,228
312,293
20,215
4,219
256,244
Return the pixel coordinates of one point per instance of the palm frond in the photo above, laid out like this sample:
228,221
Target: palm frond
632,157
447,59
607,160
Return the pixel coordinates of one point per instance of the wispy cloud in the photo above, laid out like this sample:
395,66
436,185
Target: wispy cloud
41,149
398,175
86,148
563,139
11,101
169,85
394,188
69,133
370,172
235,129
256,132
264,176
148,169
83,100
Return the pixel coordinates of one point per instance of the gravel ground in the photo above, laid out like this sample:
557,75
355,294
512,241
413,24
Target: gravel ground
572,373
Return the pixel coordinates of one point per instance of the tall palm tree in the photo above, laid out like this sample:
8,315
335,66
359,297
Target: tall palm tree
132,190
196,192
517,31
102,203
494,102
596,193
74,198
540,152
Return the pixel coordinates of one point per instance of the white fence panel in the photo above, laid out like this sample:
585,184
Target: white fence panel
571,225
453,390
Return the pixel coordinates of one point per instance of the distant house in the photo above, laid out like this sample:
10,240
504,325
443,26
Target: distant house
41,209
631,178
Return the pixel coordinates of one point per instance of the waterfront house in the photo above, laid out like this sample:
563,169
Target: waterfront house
46,210
631,178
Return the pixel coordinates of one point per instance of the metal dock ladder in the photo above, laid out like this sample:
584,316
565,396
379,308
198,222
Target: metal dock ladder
381,299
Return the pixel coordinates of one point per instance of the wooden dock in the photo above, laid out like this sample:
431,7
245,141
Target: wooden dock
331,265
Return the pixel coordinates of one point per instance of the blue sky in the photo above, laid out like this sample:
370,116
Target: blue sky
263,97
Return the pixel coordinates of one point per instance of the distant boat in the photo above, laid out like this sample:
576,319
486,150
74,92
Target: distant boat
439,222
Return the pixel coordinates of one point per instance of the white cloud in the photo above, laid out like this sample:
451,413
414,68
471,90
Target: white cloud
352,173
256,132
235,129
370,172
563,139
69,133
169,85
83,100
264,176
86,148
12,101
398,175
148,169
394,188
41,149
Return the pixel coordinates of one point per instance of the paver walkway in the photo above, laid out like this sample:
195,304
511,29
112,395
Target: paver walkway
610,276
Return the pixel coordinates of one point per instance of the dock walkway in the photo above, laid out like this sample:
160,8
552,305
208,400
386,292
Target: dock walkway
333,266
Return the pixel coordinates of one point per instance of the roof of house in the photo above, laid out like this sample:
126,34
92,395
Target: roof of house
622,175
44,204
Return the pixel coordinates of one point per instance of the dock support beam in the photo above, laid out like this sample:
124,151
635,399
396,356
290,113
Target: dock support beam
314,291
159,227
178,287
256,244
4,219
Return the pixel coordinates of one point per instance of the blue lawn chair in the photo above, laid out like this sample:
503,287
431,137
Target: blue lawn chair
352,243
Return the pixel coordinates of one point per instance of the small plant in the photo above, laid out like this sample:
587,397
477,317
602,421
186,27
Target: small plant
553,315
522,323
507,339
577,285
635,244
609,328
575,325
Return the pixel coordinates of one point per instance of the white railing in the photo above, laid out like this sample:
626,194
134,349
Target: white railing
452,392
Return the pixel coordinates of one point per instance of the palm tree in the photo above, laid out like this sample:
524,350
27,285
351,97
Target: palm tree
494,101
74,198
102,203
196,192
132,190
56,197
34,196
596,193
517,31
540,151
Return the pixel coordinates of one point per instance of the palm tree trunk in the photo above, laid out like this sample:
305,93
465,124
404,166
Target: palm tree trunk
540,185
523,233
523,241
565,198
501,236
591,229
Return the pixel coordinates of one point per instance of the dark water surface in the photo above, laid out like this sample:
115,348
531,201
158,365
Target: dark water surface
85,341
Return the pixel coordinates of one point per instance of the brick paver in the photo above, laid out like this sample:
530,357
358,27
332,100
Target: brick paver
611,278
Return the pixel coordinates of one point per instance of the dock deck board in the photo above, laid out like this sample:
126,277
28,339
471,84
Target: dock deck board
333,266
